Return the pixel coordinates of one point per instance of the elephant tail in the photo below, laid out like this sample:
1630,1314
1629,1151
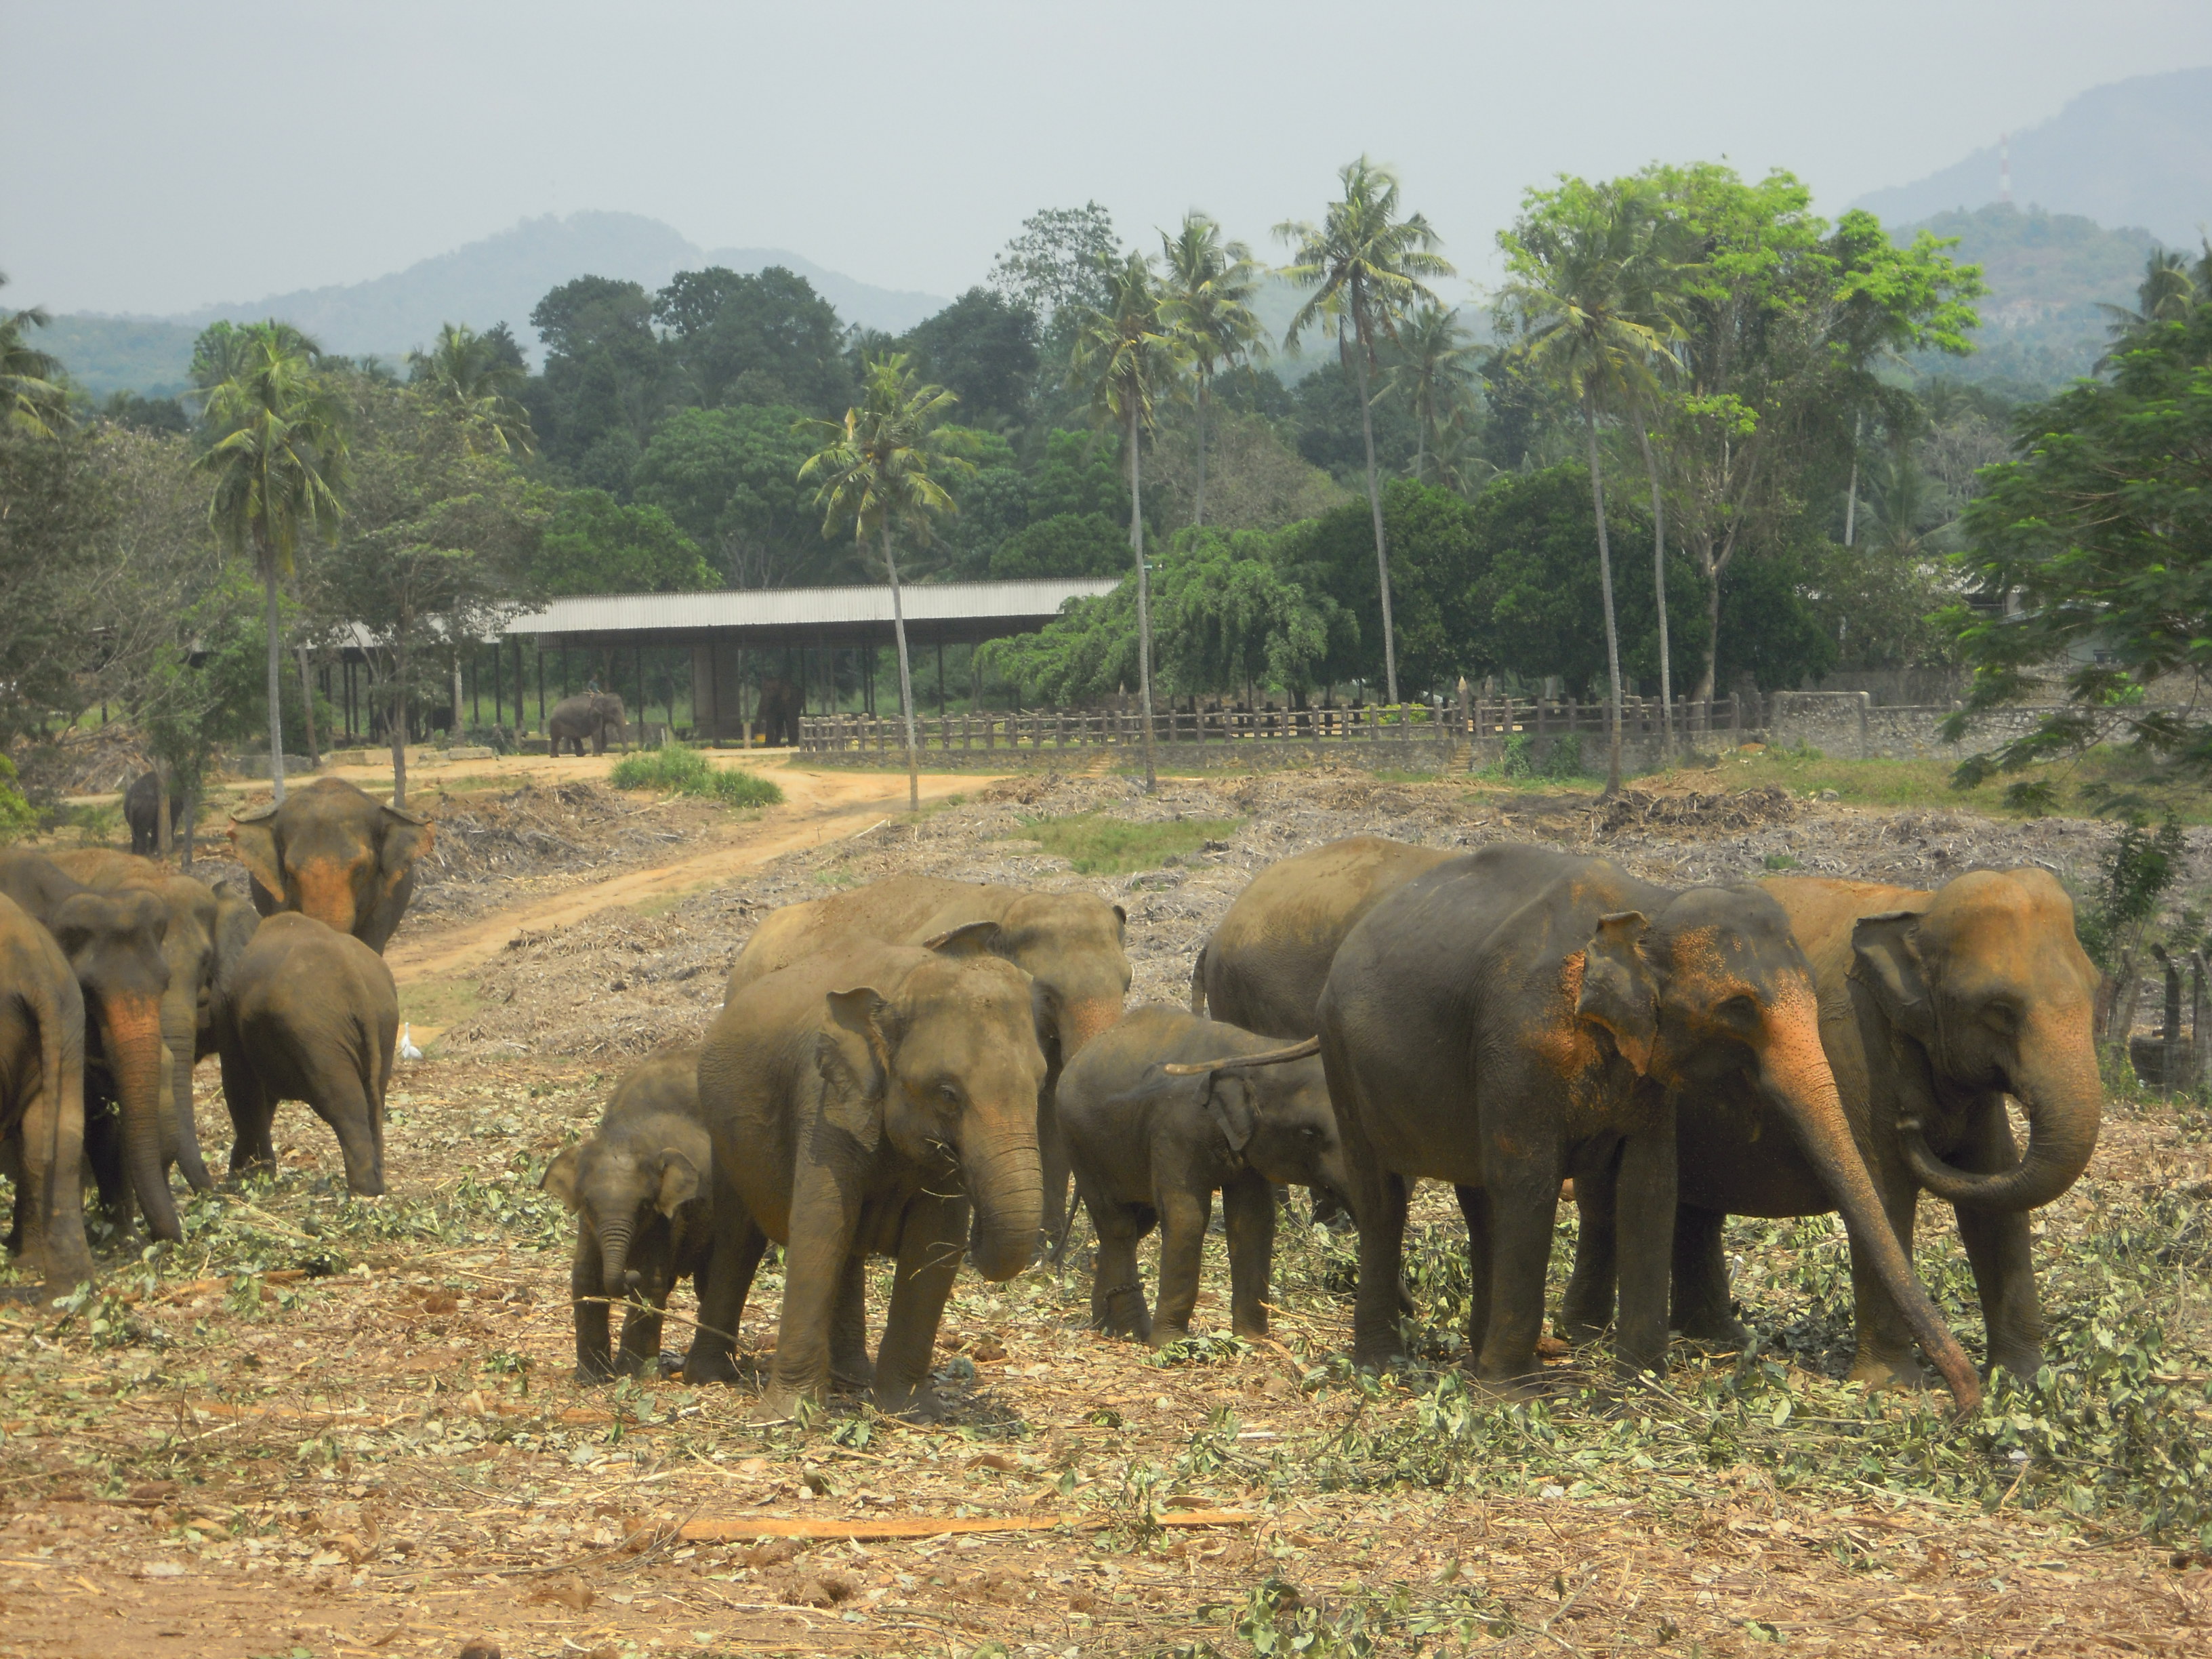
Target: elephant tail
1197,980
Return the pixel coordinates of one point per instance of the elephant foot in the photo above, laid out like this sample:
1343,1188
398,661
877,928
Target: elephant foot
593,1372
1250,1327
859,1374
1580,1326
1719,1330
2022,1362
778,1405
1163,1334
710,1366
1505,1390
1880,1371
917,1405
1379,1359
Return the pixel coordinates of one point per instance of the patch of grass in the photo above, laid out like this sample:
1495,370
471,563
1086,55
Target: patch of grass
1900,785
438,1002
685,771
1780,860
1100,846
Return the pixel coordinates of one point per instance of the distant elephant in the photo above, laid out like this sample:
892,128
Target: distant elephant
42,1099
307,1013
859,1103
335,854
142,811
1154,1127
1934,1007
1071,944
114,943
637,1186
593,714
780,704
1520,1015
208,929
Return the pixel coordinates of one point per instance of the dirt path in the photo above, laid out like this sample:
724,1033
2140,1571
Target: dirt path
818,806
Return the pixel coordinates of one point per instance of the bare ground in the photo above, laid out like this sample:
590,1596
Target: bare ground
346,1427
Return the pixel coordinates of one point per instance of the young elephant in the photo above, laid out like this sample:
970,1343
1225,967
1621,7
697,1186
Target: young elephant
1153,1127
643,1220
308,1013
860,1102
593,714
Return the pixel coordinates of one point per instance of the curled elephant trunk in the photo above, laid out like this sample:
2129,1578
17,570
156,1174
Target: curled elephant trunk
141,1065
1794,1070
614,1258
2064,1103
1005,1180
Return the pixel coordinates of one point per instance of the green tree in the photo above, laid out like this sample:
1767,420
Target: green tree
278,455
479,383
32,398
1432,371
983,349
1207,302
764,338
1127,353
593,543
729,477
874,471
607,380
1366,268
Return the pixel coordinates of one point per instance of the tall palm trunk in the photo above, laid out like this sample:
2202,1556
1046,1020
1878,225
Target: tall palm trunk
1198,518
398,723
1375,508
1659,588
307,705
275,674
906,673
1143,599
1604,578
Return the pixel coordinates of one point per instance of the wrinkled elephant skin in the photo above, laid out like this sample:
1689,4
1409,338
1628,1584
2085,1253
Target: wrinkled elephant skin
332,853
42,1100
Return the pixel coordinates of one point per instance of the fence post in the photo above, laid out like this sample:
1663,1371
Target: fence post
1866,745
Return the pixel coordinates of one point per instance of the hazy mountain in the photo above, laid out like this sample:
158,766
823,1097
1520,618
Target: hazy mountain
498,279
2137,152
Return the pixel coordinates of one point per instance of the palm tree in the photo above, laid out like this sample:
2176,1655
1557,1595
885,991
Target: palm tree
1209,284
32,399
873,470
1431,370
277,453
467,374
1367,268
2166,294
1127,352
1576,290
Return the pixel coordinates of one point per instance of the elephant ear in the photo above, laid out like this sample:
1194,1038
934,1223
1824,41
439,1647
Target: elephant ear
402,839
1229,1103
1120,920
253,834
679,1182
970,938
854,1056
235,924
1886,958
1619,991
560,1177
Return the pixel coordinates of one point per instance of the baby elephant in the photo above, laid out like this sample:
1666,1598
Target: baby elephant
307,1013
644,1218
1154,1125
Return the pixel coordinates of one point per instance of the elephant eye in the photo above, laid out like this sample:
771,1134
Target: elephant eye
948,1093
1740,1010
2001,1015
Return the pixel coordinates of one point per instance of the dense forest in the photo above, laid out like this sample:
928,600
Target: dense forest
1693,396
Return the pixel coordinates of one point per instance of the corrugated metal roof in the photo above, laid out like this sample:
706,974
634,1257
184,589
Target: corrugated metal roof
1033,601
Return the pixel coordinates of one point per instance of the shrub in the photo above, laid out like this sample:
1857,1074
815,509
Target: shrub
1566,760
16,817
680,770
1519,760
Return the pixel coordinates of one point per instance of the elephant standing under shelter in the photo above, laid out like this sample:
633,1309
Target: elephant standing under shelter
594,714
860,1103
1518,1016
779,705
1934,1007
42,1099
331,852
1071,944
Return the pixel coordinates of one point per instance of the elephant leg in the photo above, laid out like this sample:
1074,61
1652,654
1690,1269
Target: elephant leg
640,1335
733,1254
587,1294
1523,1195
103,1152
1185,1214
1703,1310
1117,1293
849,1364
1376,1341
341,1101
1884,1357
1643,1202
1998,1246
1474,1210
180,1030
1053,1165
251,1111
1586,1308
825,1218
1247,1206
930,1239
46,1155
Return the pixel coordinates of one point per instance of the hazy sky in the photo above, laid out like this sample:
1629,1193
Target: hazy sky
160,156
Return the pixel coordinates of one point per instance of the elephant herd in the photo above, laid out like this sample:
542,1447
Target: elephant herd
117,977
914,1068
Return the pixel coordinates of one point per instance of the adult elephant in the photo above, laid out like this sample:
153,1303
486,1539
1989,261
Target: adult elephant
142,811
1933,1007
42,1098
780,705
593,714
208,930
335,854
1070,943
1269,957
114,945
1519,1014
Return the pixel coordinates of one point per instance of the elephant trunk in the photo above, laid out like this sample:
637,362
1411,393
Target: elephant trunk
2064,1101
1794,1069
140,1064
1005,1180
614,1277
1082,1019
180,1032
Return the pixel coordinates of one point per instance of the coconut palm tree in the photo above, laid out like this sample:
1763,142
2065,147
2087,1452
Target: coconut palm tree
2166,294
1126,351
1208,286
32,399
1367,267
1576,292
1431,369
468,374
872,472
276,452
